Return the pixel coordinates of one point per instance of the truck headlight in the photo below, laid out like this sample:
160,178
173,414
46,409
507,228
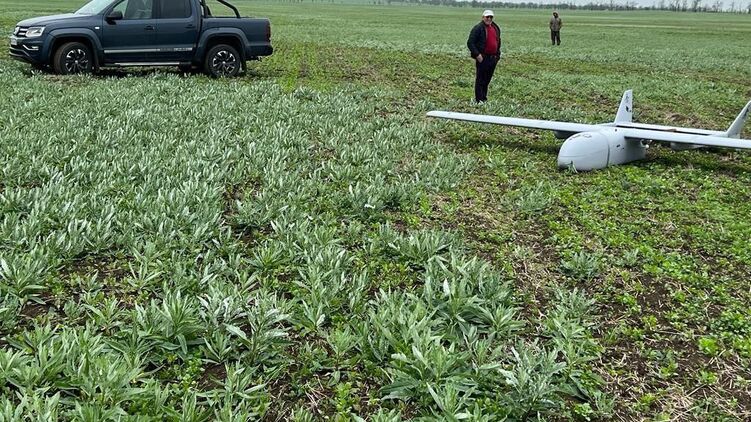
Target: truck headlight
34,31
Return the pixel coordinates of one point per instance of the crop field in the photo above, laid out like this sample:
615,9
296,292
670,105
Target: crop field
302,243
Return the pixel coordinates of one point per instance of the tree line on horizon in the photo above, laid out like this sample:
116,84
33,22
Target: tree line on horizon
711,6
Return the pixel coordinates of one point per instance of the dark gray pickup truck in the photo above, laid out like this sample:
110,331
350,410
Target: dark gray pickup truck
112,33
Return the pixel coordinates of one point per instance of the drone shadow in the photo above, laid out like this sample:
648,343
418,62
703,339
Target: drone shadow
709,159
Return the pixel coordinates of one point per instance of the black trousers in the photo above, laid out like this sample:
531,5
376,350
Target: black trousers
483,76
555,36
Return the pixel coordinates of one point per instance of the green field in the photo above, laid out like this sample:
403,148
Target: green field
301,243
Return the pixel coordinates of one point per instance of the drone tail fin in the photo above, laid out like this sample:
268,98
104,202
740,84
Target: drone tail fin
625,110
734,131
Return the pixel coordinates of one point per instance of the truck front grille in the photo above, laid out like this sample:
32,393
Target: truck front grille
20,31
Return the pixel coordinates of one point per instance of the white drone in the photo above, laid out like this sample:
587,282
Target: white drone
591,147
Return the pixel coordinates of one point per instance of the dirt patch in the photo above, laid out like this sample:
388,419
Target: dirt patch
105,266
34,309
212,376
655,298
238,192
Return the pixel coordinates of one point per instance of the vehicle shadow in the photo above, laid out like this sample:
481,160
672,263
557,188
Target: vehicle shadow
129,72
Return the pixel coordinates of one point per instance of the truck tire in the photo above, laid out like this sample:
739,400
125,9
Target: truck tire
222,61
73,57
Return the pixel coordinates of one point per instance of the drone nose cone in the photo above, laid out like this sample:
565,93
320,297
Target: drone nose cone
584,151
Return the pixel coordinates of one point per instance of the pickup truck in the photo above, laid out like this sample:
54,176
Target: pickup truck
114,33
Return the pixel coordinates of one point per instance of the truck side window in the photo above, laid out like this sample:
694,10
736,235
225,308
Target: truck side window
135,9
174,9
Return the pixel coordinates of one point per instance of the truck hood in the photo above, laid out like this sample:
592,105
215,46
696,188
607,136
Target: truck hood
49,20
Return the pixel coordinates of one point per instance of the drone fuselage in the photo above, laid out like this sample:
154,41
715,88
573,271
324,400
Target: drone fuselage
598,149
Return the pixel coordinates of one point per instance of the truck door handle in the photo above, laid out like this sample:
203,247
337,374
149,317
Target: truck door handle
190,26
149,27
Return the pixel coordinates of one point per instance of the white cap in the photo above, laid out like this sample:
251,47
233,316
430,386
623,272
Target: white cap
487,12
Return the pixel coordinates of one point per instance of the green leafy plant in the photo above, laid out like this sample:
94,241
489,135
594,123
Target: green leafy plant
582,265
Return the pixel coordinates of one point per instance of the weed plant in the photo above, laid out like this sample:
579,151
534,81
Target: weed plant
211,260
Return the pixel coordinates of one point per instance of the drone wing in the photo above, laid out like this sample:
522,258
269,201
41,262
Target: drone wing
685,138
689,138
513,121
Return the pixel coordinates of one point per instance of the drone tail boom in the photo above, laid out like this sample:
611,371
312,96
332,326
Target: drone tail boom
734,131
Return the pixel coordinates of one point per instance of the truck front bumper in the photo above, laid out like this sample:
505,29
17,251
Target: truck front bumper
27,50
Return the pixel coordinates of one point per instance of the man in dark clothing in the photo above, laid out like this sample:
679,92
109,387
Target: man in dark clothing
484,45
555,29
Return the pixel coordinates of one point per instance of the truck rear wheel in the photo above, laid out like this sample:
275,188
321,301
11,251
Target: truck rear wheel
222,61
73,57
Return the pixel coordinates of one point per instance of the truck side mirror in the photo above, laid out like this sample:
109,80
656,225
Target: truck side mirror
115,15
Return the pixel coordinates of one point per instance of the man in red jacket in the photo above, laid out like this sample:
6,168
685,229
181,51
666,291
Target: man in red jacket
484,45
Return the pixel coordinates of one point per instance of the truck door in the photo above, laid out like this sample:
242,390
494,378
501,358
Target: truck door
130,39
177,27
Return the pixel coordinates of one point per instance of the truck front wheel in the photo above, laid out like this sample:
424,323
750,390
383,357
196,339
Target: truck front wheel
222,61
73,57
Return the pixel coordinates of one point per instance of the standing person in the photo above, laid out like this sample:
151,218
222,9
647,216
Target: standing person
484,45
555,29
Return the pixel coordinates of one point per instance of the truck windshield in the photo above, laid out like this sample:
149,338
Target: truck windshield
94,7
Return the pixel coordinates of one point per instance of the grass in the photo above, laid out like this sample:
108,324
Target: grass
301,243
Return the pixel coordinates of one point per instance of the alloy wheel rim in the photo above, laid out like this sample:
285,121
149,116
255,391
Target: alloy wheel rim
224,63
76,61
